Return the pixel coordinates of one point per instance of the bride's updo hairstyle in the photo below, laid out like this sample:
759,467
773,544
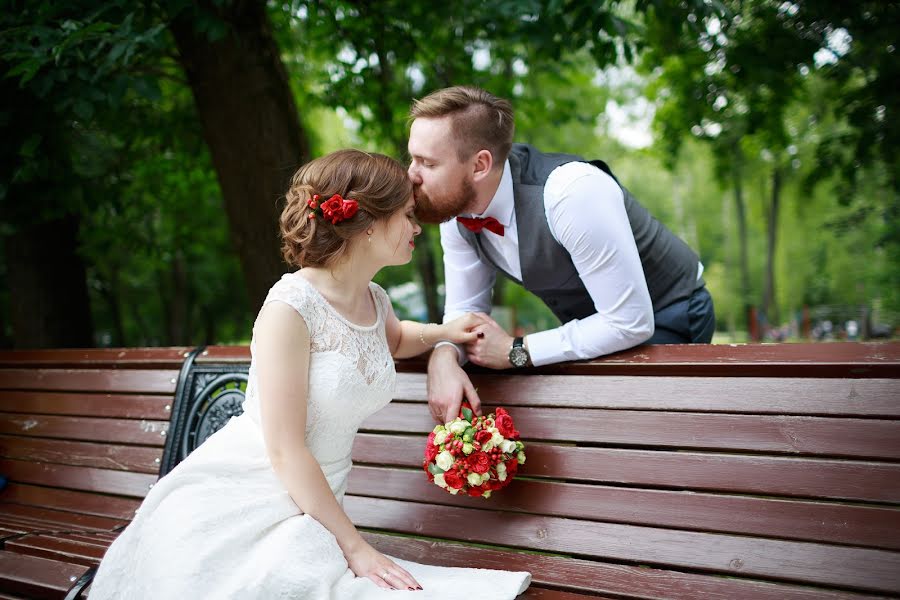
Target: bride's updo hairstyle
310,238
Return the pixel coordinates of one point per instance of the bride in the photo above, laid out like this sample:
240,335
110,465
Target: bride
256,511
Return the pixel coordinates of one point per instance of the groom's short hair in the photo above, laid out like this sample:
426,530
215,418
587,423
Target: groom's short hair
479,119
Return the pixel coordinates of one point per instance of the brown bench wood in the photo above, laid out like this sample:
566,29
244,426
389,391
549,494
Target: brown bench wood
769,471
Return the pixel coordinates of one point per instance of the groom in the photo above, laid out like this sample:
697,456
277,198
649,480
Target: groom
563,228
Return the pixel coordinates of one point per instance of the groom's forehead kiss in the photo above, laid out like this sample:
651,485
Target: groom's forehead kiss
431,140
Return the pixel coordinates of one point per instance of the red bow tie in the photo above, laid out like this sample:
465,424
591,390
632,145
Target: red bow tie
476,224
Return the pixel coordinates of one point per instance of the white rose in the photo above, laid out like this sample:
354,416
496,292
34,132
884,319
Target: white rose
521,458
488,446
496,438
474,479
440,437
501,471
444,460
458,426
508,446
486,494
439,480
453,491
468,448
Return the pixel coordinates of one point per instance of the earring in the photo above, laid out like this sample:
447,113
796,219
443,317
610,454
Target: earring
370,235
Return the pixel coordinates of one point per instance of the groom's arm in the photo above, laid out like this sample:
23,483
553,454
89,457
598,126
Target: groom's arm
468,285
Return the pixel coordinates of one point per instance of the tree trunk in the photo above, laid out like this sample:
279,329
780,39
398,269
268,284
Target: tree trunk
741,213
770,306
251,126
49,302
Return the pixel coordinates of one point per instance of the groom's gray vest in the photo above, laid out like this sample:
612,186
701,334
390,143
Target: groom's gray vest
670,266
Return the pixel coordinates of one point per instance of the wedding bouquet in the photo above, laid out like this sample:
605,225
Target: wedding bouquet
474,455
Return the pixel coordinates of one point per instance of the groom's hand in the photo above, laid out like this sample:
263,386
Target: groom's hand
491,346
447,385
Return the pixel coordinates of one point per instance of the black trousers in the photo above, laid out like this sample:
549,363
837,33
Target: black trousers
690,321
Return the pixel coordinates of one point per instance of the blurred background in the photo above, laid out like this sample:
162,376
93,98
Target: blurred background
146,147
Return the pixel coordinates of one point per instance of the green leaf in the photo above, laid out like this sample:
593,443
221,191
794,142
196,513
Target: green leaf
83,109
435,470
30,145
467,414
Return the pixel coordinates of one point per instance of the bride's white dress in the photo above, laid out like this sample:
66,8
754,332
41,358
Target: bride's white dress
221,524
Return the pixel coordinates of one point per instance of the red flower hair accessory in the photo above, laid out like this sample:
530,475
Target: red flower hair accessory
335,209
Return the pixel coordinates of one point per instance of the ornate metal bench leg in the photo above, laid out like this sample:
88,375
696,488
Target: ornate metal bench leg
83,581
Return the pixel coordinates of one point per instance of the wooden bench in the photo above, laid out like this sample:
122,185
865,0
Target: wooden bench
767,471
82,434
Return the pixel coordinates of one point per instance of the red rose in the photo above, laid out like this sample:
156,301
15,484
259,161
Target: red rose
349,208
332,207
479,462
453,479
512,465
505,426
500,412
475,491
430,452
483,437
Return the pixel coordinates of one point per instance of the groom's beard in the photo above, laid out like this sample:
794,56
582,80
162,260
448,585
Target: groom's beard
443,208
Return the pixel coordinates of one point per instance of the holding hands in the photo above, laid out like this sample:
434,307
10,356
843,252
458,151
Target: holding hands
486,344
491,344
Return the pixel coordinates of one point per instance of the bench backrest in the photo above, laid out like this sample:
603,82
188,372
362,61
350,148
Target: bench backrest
678,472
759,463
75,424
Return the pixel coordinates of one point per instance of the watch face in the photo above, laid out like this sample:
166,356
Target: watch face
518,357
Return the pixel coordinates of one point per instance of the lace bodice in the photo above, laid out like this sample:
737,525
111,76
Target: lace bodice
351,374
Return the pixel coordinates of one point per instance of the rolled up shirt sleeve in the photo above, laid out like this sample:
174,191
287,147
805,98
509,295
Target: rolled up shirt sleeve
585,209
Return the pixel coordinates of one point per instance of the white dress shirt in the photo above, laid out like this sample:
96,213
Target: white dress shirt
585,210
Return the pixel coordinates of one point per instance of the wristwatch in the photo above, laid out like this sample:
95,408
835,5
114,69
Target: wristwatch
518,354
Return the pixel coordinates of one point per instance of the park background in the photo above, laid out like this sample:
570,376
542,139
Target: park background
146,148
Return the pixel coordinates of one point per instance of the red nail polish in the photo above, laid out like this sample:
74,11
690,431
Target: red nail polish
480,334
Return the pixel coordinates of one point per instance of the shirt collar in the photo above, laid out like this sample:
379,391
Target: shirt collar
501,205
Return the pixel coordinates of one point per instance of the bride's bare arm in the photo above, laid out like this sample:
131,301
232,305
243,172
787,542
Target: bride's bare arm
411,338
281,358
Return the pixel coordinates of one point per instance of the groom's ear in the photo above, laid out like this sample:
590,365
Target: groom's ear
482,164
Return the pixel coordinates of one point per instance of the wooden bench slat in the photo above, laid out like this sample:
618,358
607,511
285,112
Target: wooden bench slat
877,527
58,548
130,431
90,503
140,459
141,381
835,360
751,395
863,568
773,476
88,479
36,577
53,519
116,358
600,577
125,406
539,593
864,438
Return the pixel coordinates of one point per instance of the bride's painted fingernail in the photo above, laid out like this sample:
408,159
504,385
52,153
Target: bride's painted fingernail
480,334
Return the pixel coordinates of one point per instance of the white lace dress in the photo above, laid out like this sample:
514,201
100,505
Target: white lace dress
221,524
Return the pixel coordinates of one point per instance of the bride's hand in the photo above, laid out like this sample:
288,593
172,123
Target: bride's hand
366,561
459,330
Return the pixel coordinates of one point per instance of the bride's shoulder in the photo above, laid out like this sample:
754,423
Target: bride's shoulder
292,290
380,294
